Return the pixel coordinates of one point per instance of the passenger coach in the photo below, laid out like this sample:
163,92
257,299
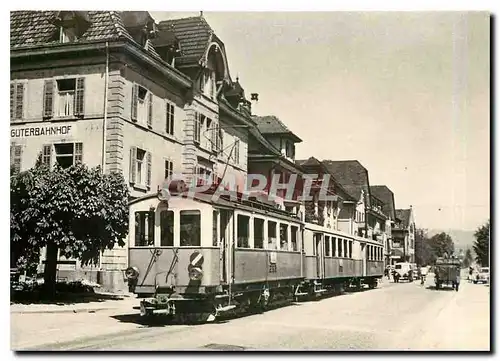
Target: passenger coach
203,255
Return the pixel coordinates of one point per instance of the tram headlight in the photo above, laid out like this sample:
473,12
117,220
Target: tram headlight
132,273
195,273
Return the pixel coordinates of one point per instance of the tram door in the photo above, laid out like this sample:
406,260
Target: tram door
225,236
364,252
319,252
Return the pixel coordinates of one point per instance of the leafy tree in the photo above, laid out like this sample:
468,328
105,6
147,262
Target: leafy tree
482,244
423,252
441,244
76,212
467,258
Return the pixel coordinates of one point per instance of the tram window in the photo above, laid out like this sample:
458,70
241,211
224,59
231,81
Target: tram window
284,236
144,229
327,246
215,229
295,231
258,233
167,228
243,231
271,235
340,247
334,246
190,228
350,249
346,251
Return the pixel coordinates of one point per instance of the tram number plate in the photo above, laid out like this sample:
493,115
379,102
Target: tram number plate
272,268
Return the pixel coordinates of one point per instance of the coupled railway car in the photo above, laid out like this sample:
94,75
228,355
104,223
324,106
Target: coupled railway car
199,255
336,261
202,255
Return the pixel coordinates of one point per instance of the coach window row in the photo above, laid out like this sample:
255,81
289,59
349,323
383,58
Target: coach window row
338,247
374,253
189,228
259,233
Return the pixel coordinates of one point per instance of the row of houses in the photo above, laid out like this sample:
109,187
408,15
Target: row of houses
148,99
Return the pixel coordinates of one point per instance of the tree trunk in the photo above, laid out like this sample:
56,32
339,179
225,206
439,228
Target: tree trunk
50,270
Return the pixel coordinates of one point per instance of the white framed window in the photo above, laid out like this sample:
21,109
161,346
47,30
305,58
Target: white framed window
66,154
142,106
140,167
170,118
236,152
169,168
197,127
64,97
207,83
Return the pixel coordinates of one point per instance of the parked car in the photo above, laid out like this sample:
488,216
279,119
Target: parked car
483,275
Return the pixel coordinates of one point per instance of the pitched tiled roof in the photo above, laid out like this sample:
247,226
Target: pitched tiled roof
194,35
312,163
352,176
30,28
387,197
270,124
404,216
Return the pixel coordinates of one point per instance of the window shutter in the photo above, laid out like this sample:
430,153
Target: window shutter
79,99
133,164
135,100
172,118
18,151
148,175
150,110
12,100
19,100
12,152
48,99
47,155
78,153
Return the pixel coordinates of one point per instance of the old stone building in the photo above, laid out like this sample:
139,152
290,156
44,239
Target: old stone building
117,90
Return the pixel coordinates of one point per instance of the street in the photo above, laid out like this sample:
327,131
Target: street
404,316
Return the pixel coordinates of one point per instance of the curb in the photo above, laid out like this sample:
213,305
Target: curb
83,310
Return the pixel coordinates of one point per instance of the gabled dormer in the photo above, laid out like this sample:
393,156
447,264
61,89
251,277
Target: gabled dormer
235,95
70,25
278,135
202,54
140,25
166,44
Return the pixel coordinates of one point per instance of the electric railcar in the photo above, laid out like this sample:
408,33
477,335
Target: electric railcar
200,256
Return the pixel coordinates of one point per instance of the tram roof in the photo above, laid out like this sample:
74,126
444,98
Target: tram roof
221,201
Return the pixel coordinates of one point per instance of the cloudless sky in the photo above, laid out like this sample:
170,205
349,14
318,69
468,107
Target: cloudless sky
406,94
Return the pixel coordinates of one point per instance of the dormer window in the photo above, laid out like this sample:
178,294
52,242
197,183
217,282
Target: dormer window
66,35
70,25
207,83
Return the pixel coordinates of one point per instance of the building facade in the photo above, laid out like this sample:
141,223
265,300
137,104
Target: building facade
403,236
383,193
116,90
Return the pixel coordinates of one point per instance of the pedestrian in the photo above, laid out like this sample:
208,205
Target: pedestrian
470,274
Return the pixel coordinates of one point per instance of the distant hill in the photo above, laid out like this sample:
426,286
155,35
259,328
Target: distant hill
462,239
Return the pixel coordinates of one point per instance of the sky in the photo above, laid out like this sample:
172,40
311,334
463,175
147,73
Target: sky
406,94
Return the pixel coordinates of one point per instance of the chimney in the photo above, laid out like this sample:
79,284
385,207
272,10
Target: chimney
254,98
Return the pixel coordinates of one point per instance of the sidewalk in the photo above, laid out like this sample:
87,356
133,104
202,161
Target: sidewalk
109,302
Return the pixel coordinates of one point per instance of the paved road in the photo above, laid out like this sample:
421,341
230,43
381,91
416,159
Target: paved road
404,316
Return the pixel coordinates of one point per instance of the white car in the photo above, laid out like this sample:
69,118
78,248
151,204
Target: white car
483,275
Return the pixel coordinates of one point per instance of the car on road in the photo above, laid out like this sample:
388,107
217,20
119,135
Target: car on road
483,275
404,270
